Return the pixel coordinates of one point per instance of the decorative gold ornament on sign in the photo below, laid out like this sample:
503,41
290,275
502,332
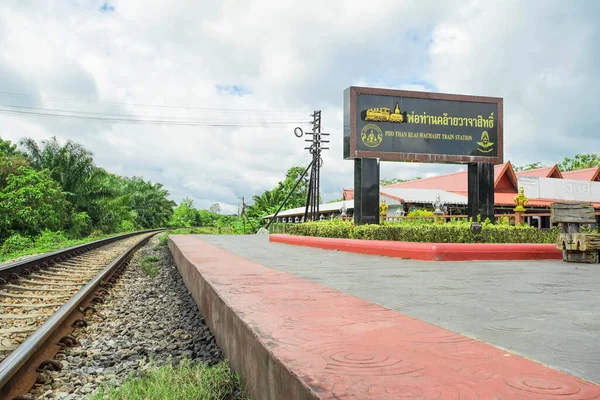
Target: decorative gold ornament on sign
371,135
485,146
383,114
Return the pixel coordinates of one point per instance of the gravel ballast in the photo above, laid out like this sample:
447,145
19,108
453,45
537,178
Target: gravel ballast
142,319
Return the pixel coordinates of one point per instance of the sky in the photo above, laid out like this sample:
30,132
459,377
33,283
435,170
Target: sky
246,73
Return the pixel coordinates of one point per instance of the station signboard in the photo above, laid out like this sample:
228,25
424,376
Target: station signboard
408,126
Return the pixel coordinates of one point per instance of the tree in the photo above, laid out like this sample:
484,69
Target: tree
298,197
7,149
207,218
270,200
528,167
185,214
30,202
390,181
149,203
71,165
580,161
215,208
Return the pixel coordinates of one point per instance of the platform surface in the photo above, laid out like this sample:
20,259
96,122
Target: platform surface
548,311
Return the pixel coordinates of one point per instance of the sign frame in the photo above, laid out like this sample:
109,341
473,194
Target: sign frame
351,135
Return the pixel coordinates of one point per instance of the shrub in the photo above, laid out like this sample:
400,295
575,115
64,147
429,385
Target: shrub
127,226
420,213
50,240
451,232
80,225
15,243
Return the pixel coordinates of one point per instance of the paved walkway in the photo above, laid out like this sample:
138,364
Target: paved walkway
547,311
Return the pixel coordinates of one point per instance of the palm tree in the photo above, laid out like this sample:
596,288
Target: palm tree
71,165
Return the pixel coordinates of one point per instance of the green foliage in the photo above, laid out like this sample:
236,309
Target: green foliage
215,208
451,232
50,240
269,201
186,381
111,202
390,181
10,165
30,202
149,266
80,225
7,148
245,225
70,165
127,226
420,213
206,218
15,244
580,161
185,214
47,241
527,167
163,239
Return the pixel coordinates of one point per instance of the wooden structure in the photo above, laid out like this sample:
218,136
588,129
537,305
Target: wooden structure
576,246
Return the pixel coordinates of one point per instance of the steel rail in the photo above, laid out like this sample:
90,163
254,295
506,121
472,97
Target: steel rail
28,355
26,266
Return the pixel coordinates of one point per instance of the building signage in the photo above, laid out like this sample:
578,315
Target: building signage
560,189
397,125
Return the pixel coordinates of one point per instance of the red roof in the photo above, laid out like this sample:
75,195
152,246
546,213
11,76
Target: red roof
505,183
348,194
588,174
456,182
546,172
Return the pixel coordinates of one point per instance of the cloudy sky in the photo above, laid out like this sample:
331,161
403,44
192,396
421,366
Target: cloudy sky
192,63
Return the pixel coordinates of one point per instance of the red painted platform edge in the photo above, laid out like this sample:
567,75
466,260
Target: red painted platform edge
429,251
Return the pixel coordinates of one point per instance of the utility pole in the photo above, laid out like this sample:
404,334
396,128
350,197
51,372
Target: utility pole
315,148
242,213
312,197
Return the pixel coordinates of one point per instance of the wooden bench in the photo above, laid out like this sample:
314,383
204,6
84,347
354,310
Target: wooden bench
576,246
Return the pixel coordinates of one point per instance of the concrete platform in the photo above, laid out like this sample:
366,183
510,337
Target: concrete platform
294,339
429,251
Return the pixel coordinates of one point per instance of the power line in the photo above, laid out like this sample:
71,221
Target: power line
112,115
149,121
22,95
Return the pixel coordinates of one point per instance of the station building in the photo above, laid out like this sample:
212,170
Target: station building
542,186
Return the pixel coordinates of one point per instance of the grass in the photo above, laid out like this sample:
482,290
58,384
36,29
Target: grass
49,246
149,266
187,381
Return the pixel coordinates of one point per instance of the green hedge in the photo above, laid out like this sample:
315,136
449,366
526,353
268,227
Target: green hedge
451,232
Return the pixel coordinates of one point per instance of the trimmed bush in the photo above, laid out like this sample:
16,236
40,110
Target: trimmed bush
451,232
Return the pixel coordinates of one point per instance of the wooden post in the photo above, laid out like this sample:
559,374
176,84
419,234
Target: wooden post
576,246
518,218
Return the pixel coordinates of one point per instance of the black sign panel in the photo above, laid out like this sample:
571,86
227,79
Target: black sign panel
424,127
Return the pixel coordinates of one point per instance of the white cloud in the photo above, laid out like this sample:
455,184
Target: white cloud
300,56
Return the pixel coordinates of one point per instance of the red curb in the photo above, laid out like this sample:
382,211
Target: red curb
429,251
292,339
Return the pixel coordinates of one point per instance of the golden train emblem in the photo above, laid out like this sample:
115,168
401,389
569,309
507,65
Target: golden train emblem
383,114
371,135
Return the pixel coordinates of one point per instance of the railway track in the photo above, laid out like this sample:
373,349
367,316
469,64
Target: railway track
43,298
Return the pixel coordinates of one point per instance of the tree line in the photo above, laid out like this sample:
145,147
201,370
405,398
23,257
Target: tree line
55,187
